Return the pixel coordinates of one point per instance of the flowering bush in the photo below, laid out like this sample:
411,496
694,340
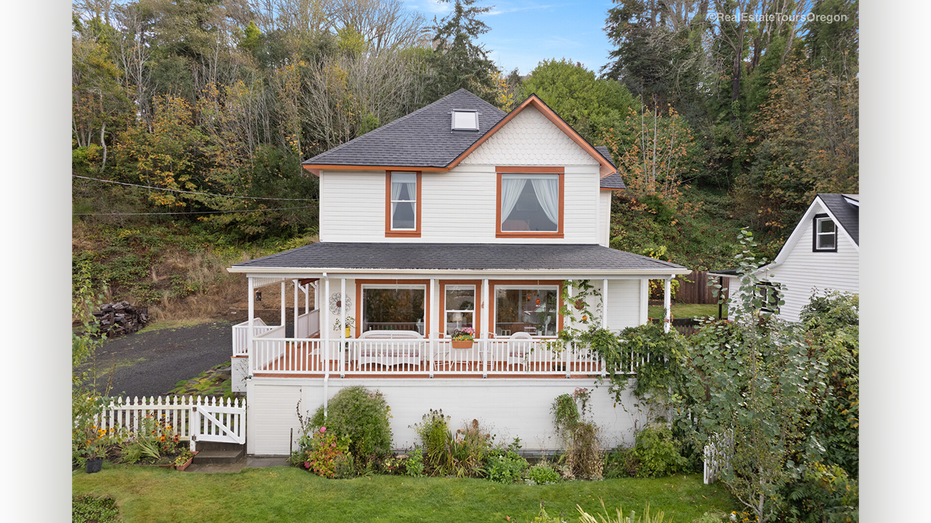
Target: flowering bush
464,334
327,453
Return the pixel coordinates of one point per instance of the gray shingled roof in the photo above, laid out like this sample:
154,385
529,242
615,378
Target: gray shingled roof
848,215
421,139
457,256
614,180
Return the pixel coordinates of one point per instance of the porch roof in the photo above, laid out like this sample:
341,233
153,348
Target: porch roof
385,257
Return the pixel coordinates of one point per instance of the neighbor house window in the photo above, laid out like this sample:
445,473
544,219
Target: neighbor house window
526,308
530,201
769,295
403,204
393,307
825,234
459,304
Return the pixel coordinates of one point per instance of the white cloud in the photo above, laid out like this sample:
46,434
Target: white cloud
513,9
434,7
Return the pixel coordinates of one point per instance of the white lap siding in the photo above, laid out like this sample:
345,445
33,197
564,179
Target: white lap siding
460,205
804,270
624,303
506,408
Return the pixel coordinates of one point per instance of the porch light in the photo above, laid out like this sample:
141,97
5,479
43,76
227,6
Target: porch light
258,295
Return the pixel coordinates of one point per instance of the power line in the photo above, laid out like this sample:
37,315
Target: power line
194,192
188,212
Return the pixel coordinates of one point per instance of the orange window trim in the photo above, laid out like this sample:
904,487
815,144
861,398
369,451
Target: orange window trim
426,299
492,297
476,316
415,233
561,171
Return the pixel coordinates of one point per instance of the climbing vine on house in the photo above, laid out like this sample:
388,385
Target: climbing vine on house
646,349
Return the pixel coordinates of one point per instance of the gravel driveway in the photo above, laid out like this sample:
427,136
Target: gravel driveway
151,363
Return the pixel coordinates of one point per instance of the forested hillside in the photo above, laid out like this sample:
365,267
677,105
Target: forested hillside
190,119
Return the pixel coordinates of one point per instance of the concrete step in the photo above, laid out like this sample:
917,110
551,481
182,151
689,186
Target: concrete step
218,453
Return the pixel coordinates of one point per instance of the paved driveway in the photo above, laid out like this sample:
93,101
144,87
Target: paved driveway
150,363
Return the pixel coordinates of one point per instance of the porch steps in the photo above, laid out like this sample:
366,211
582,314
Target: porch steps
209,452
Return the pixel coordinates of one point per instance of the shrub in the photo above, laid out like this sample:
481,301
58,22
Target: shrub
413,465
462,454
329,455
507,468
434,436
543,474
583,456
621,463
360,415
657,452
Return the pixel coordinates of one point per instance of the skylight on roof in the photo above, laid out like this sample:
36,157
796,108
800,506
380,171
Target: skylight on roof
465,120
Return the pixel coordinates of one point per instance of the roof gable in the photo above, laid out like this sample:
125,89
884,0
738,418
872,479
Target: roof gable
848,220
423,140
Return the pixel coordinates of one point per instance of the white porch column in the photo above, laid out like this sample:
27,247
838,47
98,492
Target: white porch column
296,291
251,313
604,304
316,286
667,303
342,326
325,328
485,313
284,312
434,322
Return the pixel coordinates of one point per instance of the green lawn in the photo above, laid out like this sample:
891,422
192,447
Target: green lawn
146,494
687,310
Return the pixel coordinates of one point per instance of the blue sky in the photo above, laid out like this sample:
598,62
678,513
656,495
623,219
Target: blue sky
525,32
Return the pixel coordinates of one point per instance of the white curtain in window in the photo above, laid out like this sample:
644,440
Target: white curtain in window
398,181
547,191
510,192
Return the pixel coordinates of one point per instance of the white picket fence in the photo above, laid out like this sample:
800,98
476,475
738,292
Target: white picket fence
191,418
717,455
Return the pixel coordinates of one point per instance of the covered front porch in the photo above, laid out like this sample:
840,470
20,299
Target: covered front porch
395,310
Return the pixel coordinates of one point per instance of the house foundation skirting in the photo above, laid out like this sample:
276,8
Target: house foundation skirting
506,408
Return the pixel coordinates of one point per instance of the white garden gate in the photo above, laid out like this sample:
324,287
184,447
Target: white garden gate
219,421
200,418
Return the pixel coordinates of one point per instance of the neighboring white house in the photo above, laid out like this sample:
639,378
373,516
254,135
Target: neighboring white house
821,254
456,215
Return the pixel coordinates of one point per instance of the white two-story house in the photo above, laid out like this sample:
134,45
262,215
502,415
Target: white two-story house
456,216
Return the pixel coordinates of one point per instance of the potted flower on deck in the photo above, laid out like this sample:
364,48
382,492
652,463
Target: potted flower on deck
463,338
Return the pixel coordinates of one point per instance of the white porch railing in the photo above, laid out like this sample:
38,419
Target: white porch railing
241,335
307,324
276,355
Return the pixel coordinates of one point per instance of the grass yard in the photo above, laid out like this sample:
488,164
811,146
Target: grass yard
148,494
687,310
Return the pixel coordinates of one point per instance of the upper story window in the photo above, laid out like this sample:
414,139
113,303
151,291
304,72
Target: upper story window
530,202
402,208
465,120
824,236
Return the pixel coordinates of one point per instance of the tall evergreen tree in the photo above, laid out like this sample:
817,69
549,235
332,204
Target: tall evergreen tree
458,61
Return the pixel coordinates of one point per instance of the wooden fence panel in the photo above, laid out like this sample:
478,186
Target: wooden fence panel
696,289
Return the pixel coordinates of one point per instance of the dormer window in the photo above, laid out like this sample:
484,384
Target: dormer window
824,234
465,120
